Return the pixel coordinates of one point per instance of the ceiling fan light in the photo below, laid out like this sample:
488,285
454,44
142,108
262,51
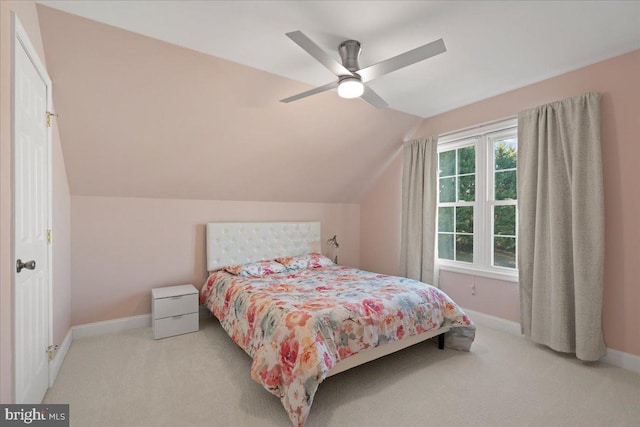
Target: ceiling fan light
350,88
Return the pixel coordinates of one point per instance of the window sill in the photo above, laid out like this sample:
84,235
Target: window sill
507,276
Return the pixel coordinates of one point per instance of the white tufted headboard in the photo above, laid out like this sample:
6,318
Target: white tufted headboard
230,243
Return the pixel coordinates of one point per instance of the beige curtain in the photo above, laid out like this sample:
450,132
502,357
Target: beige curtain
419,203
561,225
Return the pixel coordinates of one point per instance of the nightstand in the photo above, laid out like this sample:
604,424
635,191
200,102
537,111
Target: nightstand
174,310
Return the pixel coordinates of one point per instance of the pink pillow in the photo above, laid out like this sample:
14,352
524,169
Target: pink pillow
300,262
260,268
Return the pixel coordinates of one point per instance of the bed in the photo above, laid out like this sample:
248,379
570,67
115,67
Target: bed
303,318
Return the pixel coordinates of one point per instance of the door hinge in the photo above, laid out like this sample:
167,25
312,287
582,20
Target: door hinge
49,114
50,350
48,237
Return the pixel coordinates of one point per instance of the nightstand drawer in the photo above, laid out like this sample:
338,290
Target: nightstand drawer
173,306
175,325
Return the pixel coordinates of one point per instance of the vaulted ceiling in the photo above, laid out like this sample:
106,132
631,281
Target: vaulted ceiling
143,116
492,46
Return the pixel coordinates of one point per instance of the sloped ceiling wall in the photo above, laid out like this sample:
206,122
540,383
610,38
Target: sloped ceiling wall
144,118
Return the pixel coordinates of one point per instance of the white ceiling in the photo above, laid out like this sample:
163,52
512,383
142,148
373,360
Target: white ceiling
492,47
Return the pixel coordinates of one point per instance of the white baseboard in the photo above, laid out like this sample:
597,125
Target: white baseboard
617,358
61,353
499,324
111,326
92,329
623,360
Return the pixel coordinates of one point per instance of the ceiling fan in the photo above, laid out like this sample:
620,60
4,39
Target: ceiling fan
351,78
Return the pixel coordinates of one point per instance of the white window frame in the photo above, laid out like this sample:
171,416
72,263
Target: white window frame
483,137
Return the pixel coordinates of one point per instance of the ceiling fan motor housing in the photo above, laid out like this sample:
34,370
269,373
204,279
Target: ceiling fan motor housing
350,52
351,77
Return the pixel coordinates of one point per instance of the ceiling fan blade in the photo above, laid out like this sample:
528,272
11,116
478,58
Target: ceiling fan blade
320,55
373,98
319,89
403,60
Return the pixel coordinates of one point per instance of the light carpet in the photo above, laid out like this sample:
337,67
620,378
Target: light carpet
203,379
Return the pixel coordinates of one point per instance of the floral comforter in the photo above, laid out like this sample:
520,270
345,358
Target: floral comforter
296,326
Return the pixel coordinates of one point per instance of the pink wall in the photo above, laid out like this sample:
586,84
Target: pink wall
26,12
124,247
380,221
61,241
6,209
496,297
617,79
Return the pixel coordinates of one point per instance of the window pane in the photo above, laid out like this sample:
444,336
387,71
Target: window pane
504,220
504,252
505,185
464,248
467,160
464,219
448,163
445,246
447,190
467,190
445,219
505,153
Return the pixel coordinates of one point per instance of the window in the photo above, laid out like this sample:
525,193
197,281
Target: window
477,201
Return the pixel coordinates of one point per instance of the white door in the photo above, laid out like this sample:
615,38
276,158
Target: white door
31,222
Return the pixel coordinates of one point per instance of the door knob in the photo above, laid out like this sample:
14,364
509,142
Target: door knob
29,265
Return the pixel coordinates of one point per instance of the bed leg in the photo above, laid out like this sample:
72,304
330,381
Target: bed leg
441,341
